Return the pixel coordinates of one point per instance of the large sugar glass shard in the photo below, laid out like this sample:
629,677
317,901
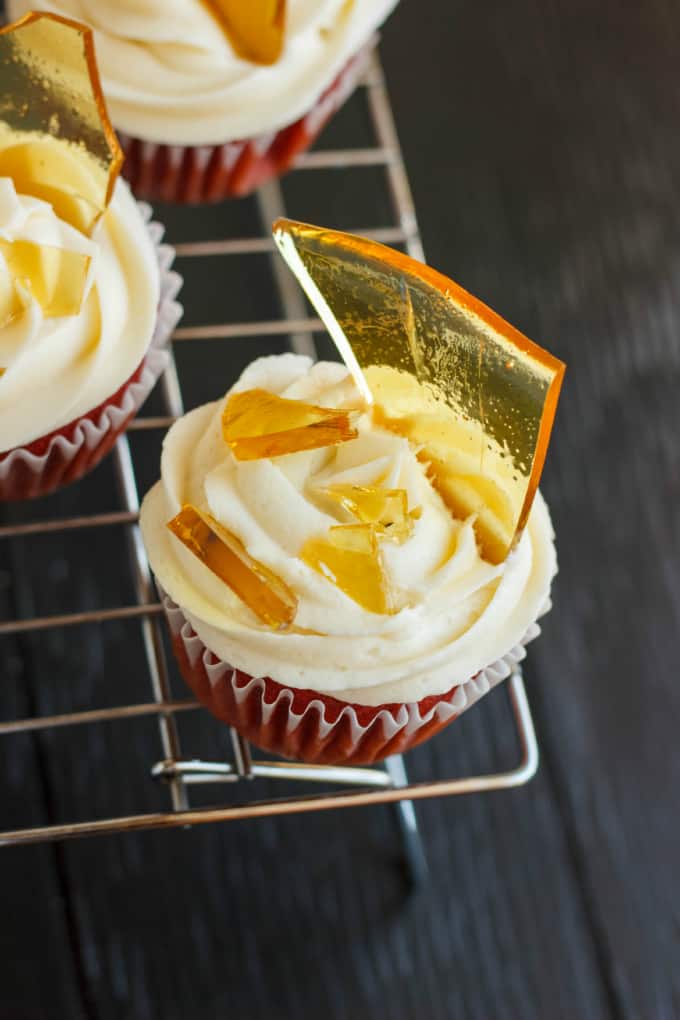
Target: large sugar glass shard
55,277
474,394
349,557
255,28
223,553
385,509
259,424
56,141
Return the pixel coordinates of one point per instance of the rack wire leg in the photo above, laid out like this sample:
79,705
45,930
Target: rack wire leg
414,851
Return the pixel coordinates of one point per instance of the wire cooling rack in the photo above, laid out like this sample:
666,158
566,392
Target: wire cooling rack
358,786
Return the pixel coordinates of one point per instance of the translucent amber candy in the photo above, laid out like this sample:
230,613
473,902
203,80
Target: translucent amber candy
223,553
471,392
255,28
56,141
349,556
259,424
55,277
386,509
11,304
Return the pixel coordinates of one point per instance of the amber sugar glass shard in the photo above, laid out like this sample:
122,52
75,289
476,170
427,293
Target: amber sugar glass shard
255,28
56,141
11,304
55,277
386,509
349,557
441,368
259,424
222,552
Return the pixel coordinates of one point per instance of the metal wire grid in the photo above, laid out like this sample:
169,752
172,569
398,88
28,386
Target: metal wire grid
391,783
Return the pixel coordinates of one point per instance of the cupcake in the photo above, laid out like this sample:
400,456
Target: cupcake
344,566
211,99
86,296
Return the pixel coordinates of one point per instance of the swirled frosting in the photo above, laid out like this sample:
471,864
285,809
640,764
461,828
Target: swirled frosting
57,369
460,613
170,74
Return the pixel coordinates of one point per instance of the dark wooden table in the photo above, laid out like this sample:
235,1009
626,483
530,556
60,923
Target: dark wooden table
543,144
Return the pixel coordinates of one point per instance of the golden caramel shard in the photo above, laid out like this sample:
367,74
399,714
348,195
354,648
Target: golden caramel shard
475,395
258,424
255,28
349,557
55,277
386,509
222,552
56,141
11,305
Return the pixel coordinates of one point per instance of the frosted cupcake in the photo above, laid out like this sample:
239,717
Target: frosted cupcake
86,296
212,99
341,575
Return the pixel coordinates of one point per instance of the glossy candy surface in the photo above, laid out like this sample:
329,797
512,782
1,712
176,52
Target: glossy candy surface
386,509
56,141
258,424
349,556
262,591
55,277
255,28
476,396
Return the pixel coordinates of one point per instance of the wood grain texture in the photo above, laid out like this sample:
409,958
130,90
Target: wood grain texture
544,154
561,210
37,934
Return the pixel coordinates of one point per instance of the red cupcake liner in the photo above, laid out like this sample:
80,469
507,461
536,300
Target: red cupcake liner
65,455
209,173
317,728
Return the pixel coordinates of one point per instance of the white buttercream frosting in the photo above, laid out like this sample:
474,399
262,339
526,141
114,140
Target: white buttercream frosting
460,613
170,74
58,369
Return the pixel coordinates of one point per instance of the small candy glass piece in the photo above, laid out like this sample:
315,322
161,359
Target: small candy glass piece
55,277
56,141
385,509
11,304
258,424
223,553
441,368
255,28
349,557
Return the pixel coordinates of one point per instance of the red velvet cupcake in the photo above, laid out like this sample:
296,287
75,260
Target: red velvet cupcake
87,298
211,99
376,658
353,554
63,455
192,174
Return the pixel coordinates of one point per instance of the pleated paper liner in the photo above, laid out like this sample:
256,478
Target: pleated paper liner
61,457
317,728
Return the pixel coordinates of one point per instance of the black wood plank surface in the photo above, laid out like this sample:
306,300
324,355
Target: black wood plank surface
562,210
35,914
543,147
